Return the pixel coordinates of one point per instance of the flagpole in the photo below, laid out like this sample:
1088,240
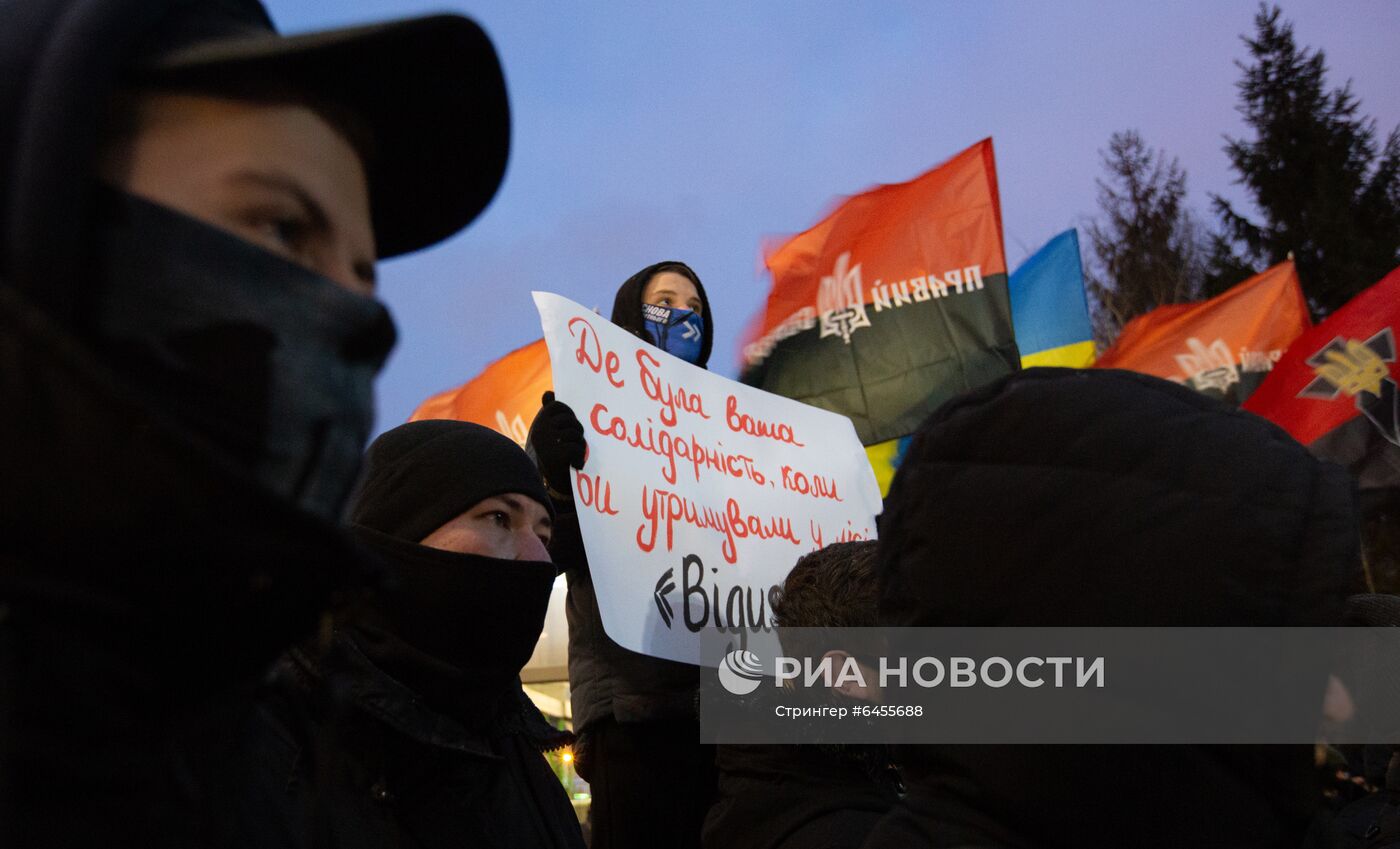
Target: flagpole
1366,571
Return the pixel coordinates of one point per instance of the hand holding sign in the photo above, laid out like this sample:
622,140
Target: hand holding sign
557,439
699,493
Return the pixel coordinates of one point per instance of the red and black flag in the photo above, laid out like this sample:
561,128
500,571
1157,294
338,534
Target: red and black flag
1223,347
894,303
1335,388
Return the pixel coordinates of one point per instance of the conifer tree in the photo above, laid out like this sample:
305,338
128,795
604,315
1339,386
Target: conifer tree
1326,191
1146,248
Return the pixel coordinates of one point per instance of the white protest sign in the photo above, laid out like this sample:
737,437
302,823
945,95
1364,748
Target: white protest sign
699,493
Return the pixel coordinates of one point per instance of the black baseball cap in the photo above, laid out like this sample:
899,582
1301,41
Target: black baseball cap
430,90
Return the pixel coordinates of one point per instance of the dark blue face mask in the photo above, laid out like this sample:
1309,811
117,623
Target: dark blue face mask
680,333
269,361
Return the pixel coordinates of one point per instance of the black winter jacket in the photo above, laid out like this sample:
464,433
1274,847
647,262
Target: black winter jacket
342,754
799,797
145,587
1106,498
146,583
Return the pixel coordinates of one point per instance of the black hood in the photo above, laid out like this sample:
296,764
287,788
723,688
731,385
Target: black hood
1104,498
1060,497
59,60
627,306
421,475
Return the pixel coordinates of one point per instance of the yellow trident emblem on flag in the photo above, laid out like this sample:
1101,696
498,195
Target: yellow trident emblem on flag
1360,370
1354,369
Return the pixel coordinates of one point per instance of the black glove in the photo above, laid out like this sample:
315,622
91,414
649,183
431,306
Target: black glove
556,442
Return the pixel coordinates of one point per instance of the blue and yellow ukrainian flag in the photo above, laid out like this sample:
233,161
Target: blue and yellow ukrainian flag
1049,309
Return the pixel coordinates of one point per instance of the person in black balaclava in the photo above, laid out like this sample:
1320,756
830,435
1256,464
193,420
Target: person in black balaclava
410,724
635,714
191,207
1082,498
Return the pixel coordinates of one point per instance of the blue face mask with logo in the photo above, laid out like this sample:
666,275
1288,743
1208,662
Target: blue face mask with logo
680,333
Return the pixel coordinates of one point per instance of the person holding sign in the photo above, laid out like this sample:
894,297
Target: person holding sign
635,714
409,725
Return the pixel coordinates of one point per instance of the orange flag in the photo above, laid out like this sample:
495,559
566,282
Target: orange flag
505,396
1223,347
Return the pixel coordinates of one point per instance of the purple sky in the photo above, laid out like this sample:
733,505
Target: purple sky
647,131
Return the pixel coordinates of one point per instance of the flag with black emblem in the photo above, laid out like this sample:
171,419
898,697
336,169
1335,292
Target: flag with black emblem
893,303
1335,389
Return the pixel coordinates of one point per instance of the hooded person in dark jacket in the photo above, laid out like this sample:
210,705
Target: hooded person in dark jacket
1106,498
190,211
635,714
410,727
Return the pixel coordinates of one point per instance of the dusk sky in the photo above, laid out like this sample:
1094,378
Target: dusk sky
649,131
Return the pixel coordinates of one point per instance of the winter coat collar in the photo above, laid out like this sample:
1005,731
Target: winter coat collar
142,517
357,681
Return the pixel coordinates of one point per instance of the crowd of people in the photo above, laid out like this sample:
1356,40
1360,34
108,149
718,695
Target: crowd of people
222,624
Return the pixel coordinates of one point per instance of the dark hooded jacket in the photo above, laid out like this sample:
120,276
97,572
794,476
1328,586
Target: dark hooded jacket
341,753
799,797
58,61
410,728
370,742
605,679
144,588
1106,498
146,582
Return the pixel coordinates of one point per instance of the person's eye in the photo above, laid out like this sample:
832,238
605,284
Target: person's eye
544,538
279,227
287,231
501,518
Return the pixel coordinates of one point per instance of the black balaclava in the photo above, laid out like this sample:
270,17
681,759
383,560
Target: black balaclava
627,305
455,628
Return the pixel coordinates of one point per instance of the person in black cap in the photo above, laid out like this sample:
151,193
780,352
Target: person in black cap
1102,498
635,714
409,726
190,211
